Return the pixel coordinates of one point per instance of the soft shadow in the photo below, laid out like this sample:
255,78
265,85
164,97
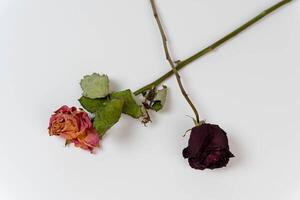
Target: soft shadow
124,131
114,86
236,149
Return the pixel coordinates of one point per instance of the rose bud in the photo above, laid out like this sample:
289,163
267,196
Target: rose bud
208,147
74,126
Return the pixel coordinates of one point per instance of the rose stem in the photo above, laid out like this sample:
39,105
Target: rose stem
170,60
210,48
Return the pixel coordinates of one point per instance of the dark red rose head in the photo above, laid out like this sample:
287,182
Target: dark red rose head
208,147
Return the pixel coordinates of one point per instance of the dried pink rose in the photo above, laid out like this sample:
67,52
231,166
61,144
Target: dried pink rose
87,141
75,126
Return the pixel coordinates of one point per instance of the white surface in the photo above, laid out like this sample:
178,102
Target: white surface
250,87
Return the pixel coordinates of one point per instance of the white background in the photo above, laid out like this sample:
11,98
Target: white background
250,87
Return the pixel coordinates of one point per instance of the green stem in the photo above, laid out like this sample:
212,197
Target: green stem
210,48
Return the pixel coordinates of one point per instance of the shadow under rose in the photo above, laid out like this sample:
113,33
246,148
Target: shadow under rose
236,149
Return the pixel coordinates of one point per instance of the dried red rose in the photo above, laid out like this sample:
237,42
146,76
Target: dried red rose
75,126
208,147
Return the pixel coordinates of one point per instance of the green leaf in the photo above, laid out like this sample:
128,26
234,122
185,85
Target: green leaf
95,86
157,106
107,115
91,105
130,105
160,99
